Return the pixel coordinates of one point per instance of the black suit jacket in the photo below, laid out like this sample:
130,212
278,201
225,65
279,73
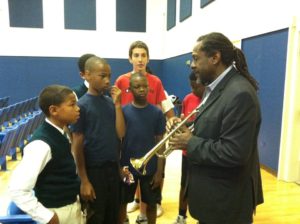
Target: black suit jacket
224,178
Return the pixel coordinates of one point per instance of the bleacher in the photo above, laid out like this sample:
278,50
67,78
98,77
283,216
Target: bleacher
4,101
17,123
15,216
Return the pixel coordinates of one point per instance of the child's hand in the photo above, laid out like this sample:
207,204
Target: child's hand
115,93
126,175
87,191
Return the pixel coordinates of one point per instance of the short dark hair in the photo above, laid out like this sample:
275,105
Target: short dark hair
136,75
53,95
81,61
138,44
90,63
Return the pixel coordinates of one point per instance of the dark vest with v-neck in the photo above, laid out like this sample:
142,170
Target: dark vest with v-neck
58,184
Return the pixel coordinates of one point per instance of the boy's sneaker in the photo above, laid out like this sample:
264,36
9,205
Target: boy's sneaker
180,220
159,210
133,206
141,220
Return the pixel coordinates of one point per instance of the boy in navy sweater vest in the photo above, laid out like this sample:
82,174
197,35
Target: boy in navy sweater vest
45,184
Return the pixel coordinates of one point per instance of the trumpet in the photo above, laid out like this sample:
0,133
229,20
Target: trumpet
139,164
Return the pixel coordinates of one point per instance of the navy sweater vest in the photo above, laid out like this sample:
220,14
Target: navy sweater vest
58,184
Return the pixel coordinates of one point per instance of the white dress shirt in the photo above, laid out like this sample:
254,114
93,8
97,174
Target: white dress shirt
36,155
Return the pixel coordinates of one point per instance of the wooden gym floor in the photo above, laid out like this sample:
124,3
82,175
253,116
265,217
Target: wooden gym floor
282,200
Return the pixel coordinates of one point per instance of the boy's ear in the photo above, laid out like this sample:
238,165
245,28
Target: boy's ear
82,75
86,75
130,60
53,110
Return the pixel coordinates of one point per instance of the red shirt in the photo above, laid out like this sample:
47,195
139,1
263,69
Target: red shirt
189,103
155,95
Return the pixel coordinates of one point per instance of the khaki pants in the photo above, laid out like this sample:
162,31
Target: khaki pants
70,214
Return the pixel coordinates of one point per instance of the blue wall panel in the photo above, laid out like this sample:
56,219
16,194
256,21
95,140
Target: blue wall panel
266,56
80,14
24,77
27,13
204,3
185,9
171,14
131,15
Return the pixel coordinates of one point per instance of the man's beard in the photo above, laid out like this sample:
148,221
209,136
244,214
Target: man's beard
202,80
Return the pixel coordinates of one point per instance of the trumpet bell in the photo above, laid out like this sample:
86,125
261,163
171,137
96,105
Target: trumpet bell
138,165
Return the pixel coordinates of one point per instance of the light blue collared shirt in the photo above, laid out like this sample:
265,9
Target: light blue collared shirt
212,86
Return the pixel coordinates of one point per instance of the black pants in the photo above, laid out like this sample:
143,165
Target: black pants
106,183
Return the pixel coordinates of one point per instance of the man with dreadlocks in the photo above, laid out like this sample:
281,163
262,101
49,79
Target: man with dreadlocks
224,183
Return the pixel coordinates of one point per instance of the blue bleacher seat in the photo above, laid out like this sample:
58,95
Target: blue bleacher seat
12,114
4,115
6,144
16,215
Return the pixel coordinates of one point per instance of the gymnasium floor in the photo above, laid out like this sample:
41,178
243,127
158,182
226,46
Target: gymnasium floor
282,200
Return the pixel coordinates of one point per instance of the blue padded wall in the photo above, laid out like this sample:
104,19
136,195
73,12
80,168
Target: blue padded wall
27,13
24,77
131,15
80,14
266,56
175,75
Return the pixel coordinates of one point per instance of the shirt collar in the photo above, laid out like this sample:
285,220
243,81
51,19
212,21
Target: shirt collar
146,73
213,85
58,128
86,83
